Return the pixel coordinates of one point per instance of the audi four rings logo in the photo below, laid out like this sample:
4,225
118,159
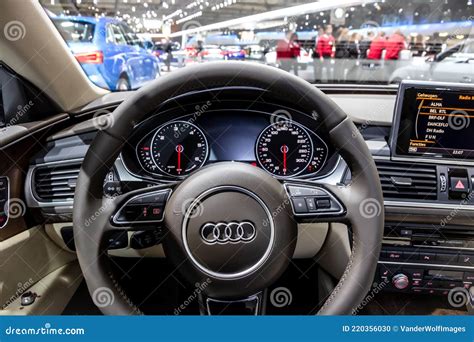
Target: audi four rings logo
226,232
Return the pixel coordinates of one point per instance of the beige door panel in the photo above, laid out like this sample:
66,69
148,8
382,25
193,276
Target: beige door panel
54,293
27,258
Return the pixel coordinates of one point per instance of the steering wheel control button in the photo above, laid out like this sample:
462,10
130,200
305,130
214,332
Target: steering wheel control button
117,240
323,203
144,208
146,239
296,191
311,204
156,197
313,201
300,205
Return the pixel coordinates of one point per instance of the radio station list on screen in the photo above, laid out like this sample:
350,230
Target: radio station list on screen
437,122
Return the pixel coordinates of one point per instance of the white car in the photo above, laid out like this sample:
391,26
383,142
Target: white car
453,65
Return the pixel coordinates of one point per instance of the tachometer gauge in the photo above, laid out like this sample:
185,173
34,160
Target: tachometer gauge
284,149
178,148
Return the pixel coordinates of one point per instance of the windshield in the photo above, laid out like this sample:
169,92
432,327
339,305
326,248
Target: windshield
123,44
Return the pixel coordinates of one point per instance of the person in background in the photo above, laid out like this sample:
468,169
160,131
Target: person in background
168,48
353,46
341,41
295,52
364,45
417,46
341,53
377,46
434,45
199,49
325,51
395,44
315,39
284,53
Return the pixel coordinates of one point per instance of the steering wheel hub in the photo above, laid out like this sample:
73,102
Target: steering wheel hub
224,242
228,222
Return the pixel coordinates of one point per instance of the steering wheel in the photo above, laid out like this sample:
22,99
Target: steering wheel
230,225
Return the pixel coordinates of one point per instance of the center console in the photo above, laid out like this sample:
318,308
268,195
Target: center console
430,166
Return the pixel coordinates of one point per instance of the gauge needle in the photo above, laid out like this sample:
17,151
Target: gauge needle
284,149
179,149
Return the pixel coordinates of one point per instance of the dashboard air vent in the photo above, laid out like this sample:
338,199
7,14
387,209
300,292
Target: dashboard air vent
55,183
404,181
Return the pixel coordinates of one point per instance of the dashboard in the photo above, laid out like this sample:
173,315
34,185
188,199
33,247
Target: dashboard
428,201
283,141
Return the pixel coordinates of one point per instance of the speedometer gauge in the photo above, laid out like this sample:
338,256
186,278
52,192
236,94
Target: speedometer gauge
284,149
178,148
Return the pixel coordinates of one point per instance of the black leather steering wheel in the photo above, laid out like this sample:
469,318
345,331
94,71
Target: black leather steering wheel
244,198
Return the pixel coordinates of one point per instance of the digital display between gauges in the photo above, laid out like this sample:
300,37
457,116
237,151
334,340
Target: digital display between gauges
177,148
284,149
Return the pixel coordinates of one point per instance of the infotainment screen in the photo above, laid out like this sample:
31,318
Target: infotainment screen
434,120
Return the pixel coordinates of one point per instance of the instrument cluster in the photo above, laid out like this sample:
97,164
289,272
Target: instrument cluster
285,148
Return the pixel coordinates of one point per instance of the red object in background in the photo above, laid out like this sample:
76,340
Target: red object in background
295,49
376,48
324,46
395,44
283,49
95,57
191,52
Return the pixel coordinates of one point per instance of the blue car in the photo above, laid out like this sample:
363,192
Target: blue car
110,53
